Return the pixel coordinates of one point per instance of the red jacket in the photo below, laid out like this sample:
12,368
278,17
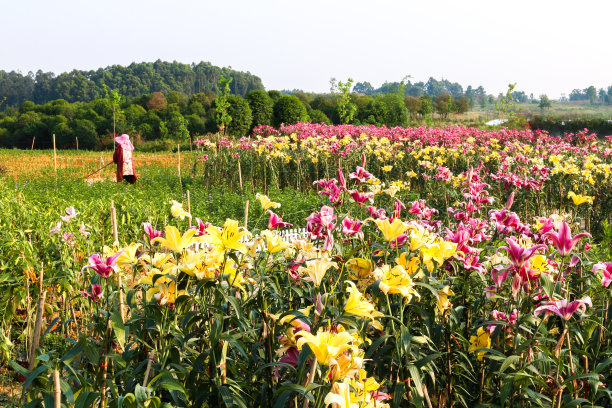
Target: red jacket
118,159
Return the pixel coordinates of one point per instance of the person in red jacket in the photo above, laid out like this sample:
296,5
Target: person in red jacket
123,158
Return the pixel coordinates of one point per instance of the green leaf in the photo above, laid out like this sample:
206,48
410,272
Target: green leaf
509,361
86,399
416,378
118,328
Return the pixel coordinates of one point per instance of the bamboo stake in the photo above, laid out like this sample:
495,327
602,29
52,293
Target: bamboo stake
179,164
28,313
151,359
246,214
116,239
40,310
54,155
240,173
57,391
189,207
77,142
33,140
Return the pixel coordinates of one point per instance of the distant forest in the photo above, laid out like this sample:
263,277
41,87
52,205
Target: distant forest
134,80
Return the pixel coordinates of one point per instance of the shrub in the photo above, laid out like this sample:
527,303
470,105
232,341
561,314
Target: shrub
261,107
241,115
316,116
288,109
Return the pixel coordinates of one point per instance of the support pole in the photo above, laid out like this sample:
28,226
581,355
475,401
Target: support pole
179,164
54,155
240,173
57,391
246,215
77,143
116,239
189,207
33,140
40,310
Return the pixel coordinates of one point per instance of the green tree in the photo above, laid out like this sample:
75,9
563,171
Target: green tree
591,92
113,99
443,104
288,109
223,118
261,106
317,116
544,102
241,115
413,105
346,108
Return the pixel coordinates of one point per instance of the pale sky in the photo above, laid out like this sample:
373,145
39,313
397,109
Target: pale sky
544,46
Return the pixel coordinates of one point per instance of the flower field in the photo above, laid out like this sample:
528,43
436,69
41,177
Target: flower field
438,267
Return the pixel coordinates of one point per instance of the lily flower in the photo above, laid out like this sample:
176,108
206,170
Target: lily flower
276,221
518,254
442,301
563,239
83,229
174,241
579,198
57,228
356,305
151,232
316,269
103,266
71,214
227,238
352,227
274,242
178,211
201,227
265,202
563,308
391,230
606,269
482,340
95,295
326,345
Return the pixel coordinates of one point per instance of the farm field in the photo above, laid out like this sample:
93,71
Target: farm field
436,267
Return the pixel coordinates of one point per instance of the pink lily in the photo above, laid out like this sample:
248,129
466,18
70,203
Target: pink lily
95,295
563,239
83,229
361,175
103,267
563,308
519,255
71,214
276,221
57,228
606,269
352,227
377,213
341,179
360,197
152,233
200,228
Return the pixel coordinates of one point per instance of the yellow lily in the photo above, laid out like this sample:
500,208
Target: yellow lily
274,242
165,293
128,256
316,269
356,305
326,345
391,230
396,280
228,238
480,341
439,252
178,211
265,202
359,268
442,301
411,266
174,241
580,199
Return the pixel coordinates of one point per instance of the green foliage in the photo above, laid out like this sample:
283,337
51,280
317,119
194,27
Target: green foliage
288,109
317,116
240,112
262,107
223,118
346,108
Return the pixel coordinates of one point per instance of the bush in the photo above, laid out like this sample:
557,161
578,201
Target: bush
316,116
261,106
288,110
241,115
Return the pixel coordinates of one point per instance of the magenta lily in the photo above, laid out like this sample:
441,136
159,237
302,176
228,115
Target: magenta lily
103,267
606,269
200,228
95,295
276,221
563,308
563,239
352,227
519,255
151,232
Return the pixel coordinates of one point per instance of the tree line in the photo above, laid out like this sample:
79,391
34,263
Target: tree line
159,118
131,81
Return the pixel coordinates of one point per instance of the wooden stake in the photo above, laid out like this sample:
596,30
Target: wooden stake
189,207
57,391
77,142
54,155
147,372
240,174
179,164
246,214
116,239
33,140
40,310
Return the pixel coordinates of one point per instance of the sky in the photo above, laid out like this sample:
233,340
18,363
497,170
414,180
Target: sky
545,47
